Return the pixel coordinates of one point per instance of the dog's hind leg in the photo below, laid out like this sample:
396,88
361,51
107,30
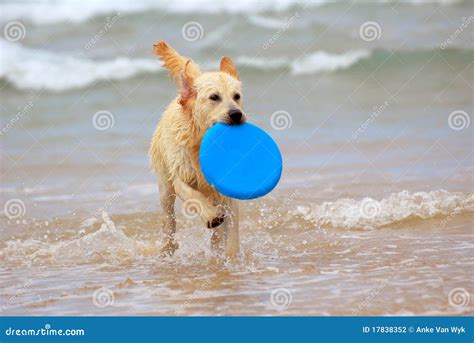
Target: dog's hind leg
167,199
217,238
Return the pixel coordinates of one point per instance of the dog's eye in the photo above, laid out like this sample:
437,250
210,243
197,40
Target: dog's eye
237,97
215,97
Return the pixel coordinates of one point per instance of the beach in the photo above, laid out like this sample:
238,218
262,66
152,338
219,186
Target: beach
370,103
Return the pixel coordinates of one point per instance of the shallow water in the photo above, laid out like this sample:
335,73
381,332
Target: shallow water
374,212
329,259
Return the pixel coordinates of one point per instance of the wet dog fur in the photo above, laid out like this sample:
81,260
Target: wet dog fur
204,98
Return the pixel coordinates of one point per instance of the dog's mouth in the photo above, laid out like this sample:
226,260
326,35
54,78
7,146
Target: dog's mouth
232,123
229,122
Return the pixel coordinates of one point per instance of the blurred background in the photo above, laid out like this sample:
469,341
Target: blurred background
370,102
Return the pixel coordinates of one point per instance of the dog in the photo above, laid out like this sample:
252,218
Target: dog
204,99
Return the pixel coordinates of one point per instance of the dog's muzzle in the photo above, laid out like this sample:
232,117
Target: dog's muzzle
235,117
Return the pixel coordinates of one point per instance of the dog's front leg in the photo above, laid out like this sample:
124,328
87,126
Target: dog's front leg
226,237
211,214
231,230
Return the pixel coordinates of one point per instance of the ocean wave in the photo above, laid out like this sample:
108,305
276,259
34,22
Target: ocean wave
51,12
108,243
316,62
262,63
28,68
266,22
322,61
98,238
427,2
369,213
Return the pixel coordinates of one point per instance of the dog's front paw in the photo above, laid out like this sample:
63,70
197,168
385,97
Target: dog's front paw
215,222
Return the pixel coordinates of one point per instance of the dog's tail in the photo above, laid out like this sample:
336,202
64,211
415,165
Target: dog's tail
173,61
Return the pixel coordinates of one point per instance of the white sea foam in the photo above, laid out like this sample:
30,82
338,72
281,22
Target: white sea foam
266,22
28,68
108,243
369,213
427,2
322,61
50,11
262,63
316,62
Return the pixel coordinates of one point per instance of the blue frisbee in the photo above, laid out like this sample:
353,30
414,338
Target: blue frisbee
240,161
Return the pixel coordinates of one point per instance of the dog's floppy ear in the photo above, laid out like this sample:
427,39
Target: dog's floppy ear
173,61
227,66
187,93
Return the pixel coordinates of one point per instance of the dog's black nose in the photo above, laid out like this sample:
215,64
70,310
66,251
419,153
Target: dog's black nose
235,116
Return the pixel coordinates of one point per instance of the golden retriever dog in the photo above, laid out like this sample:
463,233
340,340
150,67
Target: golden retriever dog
204,98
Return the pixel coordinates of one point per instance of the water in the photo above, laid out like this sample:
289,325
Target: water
373,215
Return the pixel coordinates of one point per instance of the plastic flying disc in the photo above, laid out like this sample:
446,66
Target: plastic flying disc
240,161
